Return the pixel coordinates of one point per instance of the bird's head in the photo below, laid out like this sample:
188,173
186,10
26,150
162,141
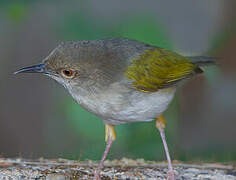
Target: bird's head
69,64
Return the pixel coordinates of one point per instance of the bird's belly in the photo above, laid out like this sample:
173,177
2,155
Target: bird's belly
145,107
137,107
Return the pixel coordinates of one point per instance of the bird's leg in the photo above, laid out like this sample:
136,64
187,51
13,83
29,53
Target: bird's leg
110,136
160,124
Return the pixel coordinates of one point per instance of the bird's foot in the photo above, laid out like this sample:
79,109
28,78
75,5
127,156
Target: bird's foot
171,175
110,137
97,176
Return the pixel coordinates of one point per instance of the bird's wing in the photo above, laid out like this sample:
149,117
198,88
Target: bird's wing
159,68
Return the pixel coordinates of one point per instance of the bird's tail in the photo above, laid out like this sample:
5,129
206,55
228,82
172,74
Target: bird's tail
203,60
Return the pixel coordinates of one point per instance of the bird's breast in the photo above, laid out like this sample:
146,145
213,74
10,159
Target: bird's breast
119,105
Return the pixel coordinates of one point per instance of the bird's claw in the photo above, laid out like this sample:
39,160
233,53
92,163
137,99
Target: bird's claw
96,176
171,175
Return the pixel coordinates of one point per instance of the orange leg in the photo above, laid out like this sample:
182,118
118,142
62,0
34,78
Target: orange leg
161,124
110,136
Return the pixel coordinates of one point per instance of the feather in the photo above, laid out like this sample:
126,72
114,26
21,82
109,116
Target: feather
203,60
159,68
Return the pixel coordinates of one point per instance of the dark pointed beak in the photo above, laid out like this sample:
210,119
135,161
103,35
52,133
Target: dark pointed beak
40,68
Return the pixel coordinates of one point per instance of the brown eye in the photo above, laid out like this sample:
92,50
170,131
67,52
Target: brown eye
68,73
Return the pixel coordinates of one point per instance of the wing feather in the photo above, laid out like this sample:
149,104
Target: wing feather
159,68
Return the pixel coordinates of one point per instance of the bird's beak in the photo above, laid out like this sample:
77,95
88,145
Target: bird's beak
40,68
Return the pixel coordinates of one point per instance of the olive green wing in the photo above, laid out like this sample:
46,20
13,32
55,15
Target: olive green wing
159,68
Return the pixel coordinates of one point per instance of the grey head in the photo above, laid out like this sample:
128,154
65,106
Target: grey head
89,64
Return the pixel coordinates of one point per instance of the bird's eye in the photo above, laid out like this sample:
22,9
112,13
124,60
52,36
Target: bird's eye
68,73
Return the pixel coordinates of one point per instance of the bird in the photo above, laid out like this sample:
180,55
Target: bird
120,80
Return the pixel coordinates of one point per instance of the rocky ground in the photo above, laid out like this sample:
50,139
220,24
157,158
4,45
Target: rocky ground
61,169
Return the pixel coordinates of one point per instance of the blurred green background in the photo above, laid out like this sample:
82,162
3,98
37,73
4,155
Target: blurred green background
38,118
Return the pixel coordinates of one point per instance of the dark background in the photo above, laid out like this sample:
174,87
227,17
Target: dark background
38,118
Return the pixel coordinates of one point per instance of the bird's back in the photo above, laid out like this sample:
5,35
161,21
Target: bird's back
150,68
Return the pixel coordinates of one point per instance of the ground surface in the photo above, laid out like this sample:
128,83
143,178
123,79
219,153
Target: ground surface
61,169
